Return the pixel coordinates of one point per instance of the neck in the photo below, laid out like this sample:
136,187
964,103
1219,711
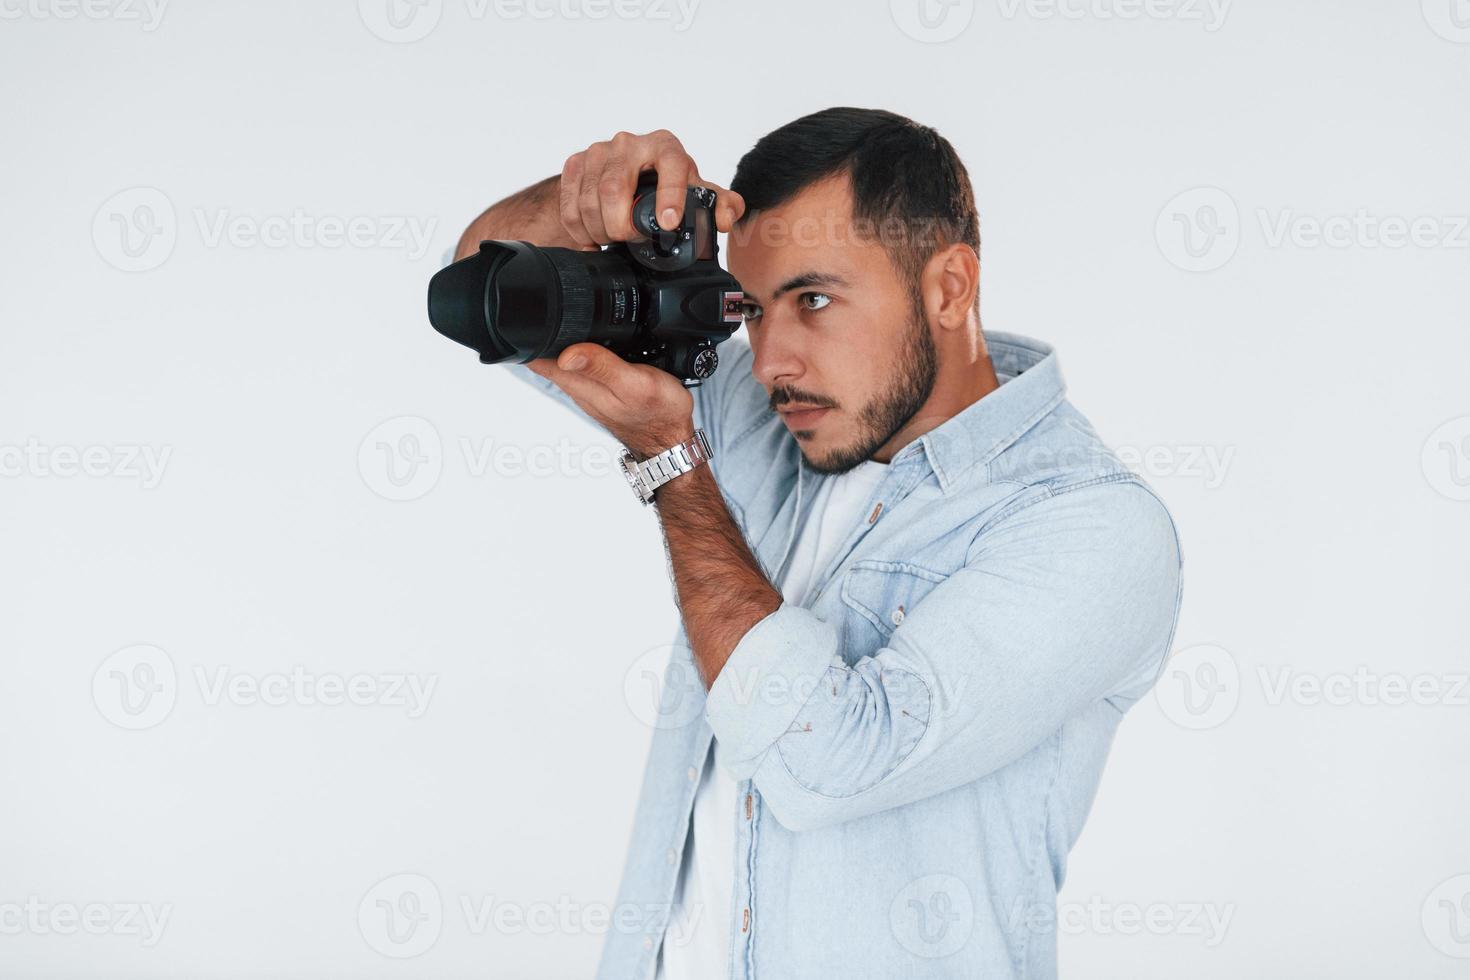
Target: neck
965,375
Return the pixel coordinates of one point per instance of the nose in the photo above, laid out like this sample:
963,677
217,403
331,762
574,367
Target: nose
778,356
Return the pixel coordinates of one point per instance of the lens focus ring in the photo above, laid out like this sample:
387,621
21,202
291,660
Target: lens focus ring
576,299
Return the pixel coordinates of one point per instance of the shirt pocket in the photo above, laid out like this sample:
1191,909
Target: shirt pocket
878,596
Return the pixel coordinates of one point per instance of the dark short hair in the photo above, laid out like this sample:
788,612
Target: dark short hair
906,179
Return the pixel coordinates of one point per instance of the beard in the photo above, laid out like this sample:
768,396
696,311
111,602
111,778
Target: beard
891,409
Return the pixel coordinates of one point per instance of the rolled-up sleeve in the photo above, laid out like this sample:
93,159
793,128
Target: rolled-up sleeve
1070,602
758,693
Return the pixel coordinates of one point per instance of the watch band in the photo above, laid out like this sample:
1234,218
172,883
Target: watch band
648,475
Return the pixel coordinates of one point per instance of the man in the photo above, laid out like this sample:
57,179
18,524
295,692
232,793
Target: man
918,593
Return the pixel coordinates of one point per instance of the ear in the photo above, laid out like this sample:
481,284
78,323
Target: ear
951,281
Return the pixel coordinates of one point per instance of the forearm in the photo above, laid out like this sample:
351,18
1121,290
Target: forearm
529,215
719,585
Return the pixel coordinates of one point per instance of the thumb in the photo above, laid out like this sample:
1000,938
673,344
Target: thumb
588,360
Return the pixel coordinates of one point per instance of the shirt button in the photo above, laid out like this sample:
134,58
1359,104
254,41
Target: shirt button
897,616
648,942
672,857
693,774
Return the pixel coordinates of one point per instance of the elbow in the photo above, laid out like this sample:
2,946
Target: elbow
837,762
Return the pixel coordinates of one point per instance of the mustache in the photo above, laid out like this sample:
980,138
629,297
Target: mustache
785,396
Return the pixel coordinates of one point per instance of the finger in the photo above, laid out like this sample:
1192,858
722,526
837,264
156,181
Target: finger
729,206
675,171
592,394
589,206
571,186
615,197
596,365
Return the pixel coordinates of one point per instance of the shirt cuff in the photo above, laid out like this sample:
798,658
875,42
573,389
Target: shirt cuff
771,673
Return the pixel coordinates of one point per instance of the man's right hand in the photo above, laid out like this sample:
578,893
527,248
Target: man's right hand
597,186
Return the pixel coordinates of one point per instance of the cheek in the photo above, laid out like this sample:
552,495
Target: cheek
852,371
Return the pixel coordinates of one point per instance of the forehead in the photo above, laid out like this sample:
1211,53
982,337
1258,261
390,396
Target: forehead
812,232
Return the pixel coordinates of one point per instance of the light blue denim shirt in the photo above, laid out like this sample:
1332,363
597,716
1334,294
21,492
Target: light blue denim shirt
919,746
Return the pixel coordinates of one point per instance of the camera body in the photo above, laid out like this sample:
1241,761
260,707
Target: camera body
662,300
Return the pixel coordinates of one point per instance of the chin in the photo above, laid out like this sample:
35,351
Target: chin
826,459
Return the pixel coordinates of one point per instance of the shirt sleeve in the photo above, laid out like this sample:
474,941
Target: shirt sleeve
1070,601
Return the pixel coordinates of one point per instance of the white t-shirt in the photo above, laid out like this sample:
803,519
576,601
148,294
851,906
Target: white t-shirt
697,943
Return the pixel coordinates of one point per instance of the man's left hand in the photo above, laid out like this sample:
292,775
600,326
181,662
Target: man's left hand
646,409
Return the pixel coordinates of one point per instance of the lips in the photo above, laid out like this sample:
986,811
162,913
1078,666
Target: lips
804,418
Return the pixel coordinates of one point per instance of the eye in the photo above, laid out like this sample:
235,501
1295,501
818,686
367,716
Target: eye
750,311
814,301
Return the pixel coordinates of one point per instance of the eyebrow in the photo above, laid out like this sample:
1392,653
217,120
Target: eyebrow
806,279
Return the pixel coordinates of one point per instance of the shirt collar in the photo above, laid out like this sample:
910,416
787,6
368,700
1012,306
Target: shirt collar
1031,386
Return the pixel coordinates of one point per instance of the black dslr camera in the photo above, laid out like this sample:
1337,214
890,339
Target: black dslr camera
663,300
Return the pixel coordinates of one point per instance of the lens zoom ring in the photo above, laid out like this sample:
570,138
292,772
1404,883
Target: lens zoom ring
576,299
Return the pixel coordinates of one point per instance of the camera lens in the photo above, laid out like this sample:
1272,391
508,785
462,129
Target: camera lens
513,300
663,301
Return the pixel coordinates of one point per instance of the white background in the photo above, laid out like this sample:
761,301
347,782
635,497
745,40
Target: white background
1286,395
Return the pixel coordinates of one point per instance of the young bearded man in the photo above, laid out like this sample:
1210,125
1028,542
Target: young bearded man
917,592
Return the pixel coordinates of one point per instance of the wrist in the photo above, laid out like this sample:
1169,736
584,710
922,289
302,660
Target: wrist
648,475
695,482
647,446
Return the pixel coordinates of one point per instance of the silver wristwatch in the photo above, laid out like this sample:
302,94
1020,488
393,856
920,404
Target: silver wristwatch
648,475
